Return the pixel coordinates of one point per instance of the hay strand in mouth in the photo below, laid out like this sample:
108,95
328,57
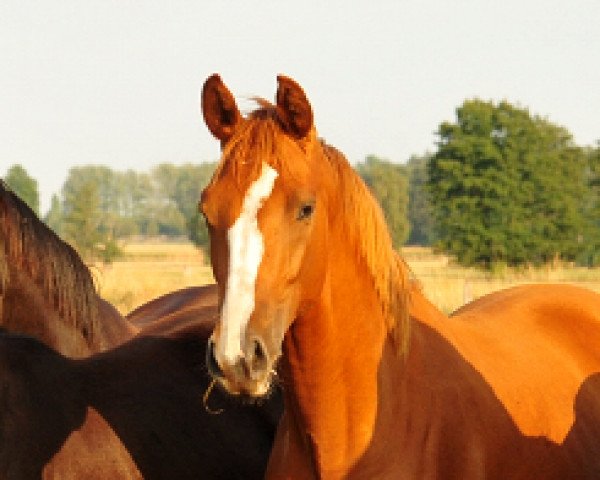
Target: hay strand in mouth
205,399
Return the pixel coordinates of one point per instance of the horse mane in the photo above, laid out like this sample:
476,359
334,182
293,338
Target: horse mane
260,137
27,245
367,231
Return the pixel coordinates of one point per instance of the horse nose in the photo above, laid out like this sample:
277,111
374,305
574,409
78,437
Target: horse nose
256,359
211,361
252,364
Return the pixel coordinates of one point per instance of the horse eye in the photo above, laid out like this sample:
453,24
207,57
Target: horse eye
306,211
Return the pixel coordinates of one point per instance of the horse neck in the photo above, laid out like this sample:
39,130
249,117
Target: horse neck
332,356
353,402
46,291
25,310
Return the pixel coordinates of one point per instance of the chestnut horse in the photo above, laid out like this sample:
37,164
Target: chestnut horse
46,291
378,383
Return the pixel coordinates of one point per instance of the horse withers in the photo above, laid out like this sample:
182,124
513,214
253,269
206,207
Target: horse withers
378,383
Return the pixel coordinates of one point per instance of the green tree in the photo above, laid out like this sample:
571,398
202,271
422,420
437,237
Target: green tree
505,187
161,202
82,217
105,199
54,216
24,186
389,184
182,185
118,197
420,215
590,252
89,212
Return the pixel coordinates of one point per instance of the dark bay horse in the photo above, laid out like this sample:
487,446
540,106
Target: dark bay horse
378,383
131,412
176,309
46,290
134,410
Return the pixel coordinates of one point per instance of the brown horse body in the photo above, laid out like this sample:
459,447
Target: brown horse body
109,404
498,393
377,382
176,309
131,412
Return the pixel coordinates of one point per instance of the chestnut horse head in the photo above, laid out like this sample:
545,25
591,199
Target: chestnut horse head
279,206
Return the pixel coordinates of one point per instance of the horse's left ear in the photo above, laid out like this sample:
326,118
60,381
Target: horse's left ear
293,109
220,111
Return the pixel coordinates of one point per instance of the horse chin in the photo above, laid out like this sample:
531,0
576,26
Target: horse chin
250,389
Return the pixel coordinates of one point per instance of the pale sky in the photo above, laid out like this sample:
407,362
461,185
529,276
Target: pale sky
116,82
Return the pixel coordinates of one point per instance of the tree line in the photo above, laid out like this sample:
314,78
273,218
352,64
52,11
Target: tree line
510,188
503,187
98,206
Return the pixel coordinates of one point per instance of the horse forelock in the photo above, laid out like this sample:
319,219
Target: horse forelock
367,233
30,247
260,139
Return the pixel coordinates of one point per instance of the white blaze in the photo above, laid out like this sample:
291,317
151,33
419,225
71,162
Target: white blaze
246,249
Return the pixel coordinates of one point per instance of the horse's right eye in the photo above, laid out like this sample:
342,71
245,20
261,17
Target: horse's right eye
306,211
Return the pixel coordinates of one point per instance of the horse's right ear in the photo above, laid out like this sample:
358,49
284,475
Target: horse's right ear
220,111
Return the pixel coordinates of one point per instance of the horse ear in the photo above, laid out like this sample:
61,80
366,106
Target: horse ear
293,109
220,111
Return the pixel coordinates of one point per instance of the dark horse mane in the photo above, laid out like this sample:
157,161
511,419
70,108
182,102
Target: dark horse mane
28,246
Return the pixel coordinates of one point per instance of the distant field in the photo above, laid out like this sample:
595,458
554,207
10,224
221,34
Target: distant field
150,269
450,286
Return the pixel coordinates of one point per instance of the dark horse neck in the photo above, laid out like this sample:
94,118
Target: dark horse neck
46,291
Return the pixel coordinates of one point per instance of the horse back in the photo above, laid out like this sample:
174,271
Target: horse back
538,348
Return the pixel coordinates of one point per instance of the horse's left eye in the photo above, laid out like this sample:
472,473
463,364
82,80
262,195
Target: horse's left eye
306,211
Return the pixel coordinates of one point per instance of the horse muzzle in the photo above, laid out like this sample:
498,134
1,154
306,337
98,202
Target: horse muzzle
250,372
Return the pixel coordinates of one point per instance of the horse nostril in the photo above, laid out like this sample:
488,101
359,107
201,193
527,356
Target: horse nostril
211,360
259,357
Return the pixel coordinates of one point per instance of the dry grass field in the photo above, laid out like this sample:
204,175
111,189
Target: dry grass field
150,269
450,286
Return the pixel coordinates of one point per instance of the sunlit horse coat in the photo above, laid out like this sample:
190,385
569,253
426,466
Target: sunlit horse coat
378,382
